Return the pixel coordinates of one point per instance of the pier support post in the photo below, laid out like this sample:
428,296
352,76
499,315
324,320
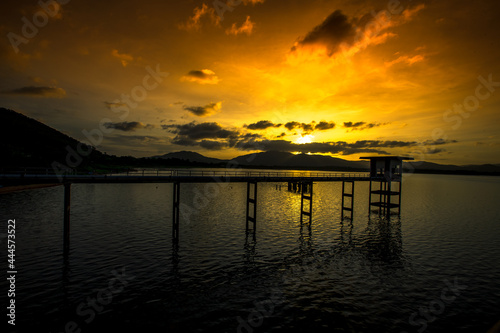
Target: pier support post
175,212
399,196
347,195
304,186
251,201
67,215
385,192
370,199
389,194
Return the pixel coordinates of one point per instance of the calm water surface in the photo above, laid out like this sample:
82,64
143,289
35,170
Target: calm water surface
434,269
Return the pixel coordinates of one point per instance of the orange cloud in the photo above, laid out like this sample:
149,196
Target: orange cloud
194,22
246,28
253,2
406,59
338,34
124,58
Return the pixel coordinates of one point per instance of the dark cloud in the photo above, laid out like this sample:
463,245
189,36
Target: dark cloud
204,111
338,147
383,144
361,125
306,128
250,136
131,143
204,76
195,131
31,91
350,124
262,125
244,140
128,126
211,136
335,30
213,145
324,125
198,74
196,110
291,125
435,151
114,105
372,125
143,139
438,142
184,141
338,33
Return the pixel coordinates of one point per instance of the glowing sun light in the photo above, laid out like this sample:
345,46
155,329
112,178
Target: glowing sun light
305,139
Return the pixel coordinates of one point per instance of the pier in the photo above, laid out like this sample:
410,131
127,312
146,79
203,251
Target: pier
384,173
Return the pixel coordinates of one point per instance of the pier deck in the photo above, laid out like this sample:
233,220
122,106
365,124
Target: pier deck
182,176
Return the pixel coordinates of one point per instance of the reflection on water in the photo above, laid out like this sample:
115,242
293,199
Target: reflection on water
365,275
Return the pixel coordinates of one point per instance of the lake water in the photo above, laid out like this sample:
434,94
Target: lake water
434,269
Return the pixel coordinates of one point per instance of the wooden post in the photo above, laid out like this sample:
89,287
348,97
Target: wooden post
255,206
343,200
67,215
175,212
370,200
380,197
253,201
388,199
400,188
303,197
310,201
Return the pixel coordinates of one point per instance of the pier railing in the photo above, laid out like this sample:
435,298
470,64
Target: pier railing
39,173
221,173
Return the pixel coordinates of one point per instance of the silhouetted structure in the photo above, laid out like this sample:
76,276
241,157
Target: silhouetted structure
385,170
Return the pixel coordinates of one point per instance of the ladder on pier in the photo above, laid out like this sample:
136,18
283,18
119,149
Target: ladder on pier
251,206
306,194
348,198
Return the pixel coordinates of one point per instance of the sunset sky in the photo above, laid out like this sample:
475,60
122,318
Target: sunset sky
342,78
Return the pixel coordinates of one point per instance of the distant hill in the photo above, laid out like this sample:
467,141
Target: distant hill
432,166
289,160
272,159
27,142
190,157
428,167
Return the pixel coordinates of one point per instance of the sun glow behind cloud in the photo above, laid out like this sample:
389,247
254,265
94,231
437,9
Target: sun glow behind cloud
305,139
